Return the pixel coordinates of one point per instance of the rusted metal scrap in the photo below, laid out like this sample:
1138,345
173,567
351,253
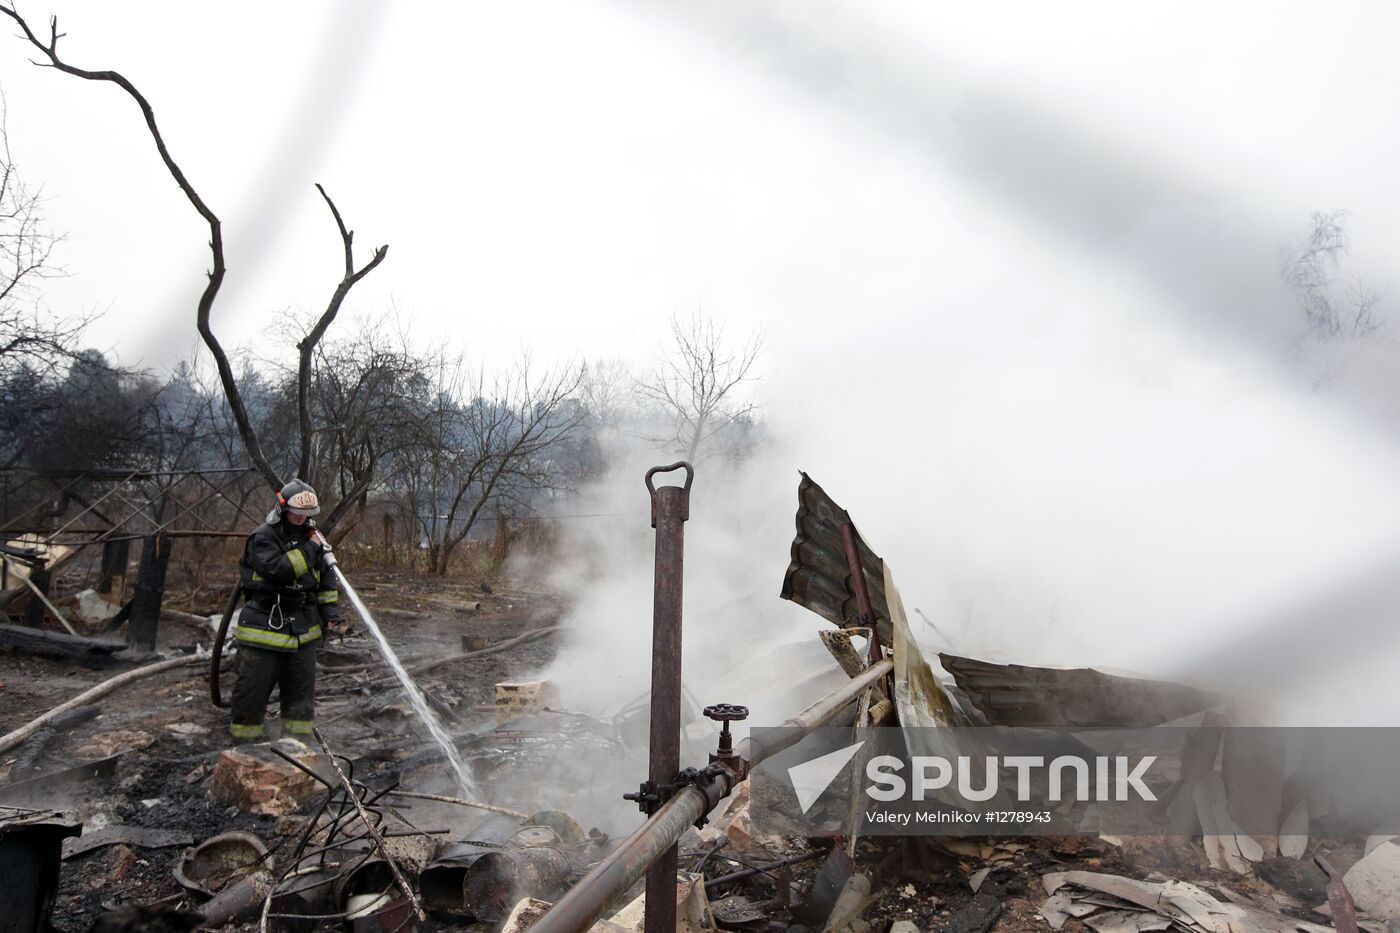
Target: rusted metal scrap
1020,695
820,576
144,837
209,866
1338,898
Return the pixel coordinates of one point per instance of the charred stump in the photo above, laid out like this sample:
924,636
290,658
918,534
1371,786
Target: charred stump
115,555
40,577
150,591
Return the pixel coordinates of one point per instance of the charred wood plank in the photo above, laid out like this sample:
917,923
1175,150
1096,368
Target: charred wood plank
56,644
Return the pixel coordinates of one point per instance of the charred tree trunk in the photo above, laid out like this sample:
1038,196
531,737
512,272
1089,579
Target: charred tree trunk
150,591
115,556
34,614
500,543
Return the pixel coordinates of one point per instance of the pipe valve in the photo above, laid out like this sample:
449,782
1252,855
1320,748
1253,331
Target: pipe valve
725,713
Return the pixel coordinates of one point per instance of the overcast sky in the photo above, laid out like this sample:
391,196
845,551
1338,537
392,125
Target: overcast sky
1016,263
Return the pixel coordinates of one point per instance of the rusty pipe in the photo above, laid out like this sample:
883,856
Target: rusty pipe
864,608
795,728
613,876
239,901
670,508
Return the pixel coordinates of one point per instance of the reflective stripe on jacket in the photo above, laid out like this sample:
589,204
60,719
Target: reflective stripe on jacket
289,587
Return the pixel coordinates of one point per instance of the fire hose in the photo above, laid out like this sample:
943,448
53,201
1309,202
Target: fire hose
216,652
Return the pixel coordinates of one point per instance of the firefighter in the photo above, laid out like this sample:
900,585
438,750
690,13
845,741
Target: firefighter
291,600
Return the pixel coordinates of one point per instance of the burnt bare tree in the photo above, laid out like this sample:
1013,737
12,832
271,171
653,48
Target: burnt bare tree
1332,305
485,449
306,347
699,386
30,336
366,393
612,413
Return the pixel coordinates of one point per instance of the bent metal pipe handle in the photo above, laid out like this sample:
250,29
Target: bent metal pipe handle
685,490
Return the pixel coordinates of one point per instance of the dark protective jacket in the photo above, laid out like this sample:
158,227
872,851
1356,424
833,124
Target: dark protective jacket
290,589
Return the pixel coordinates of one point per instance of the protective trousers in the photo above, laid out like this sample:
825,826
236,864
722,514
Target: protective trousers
292,672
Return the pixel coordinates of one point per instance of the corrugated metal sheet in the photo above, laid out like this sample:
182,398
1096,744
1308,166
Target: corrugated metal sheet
818,577
1018,695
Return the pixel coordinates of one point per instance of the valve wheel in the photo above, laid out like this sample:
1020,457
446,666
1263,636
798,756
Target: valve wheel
726,712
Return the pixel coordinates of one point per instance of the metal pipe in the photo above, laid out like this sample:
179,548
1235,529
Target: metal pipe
762,869
864,608
796,728
614,875
670,508
476,804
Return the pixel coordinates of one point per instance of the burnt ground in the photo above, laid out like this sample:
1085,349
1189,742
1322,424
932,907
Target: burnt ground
162,784
159,780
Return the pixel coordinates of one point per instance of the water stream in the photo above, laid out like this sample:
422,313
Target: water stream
466,785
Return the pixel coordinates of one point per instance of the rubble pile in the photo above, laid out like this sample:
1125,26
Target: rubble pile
362,828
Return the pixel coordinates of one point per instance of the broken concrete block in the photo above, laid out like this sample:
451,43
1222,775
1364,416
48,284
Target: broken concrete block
516,698
92,608
525,914
116,863
255,780
850,904
186,730
107,744
1374,882
692,909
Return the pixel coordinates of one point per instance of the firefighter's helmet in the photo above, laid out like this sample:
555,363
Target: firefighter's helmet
298,498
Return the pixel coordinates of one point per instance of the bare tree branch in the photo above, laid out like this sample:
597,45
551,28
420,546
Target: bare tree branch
697,382
307,346
227,379
216,241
